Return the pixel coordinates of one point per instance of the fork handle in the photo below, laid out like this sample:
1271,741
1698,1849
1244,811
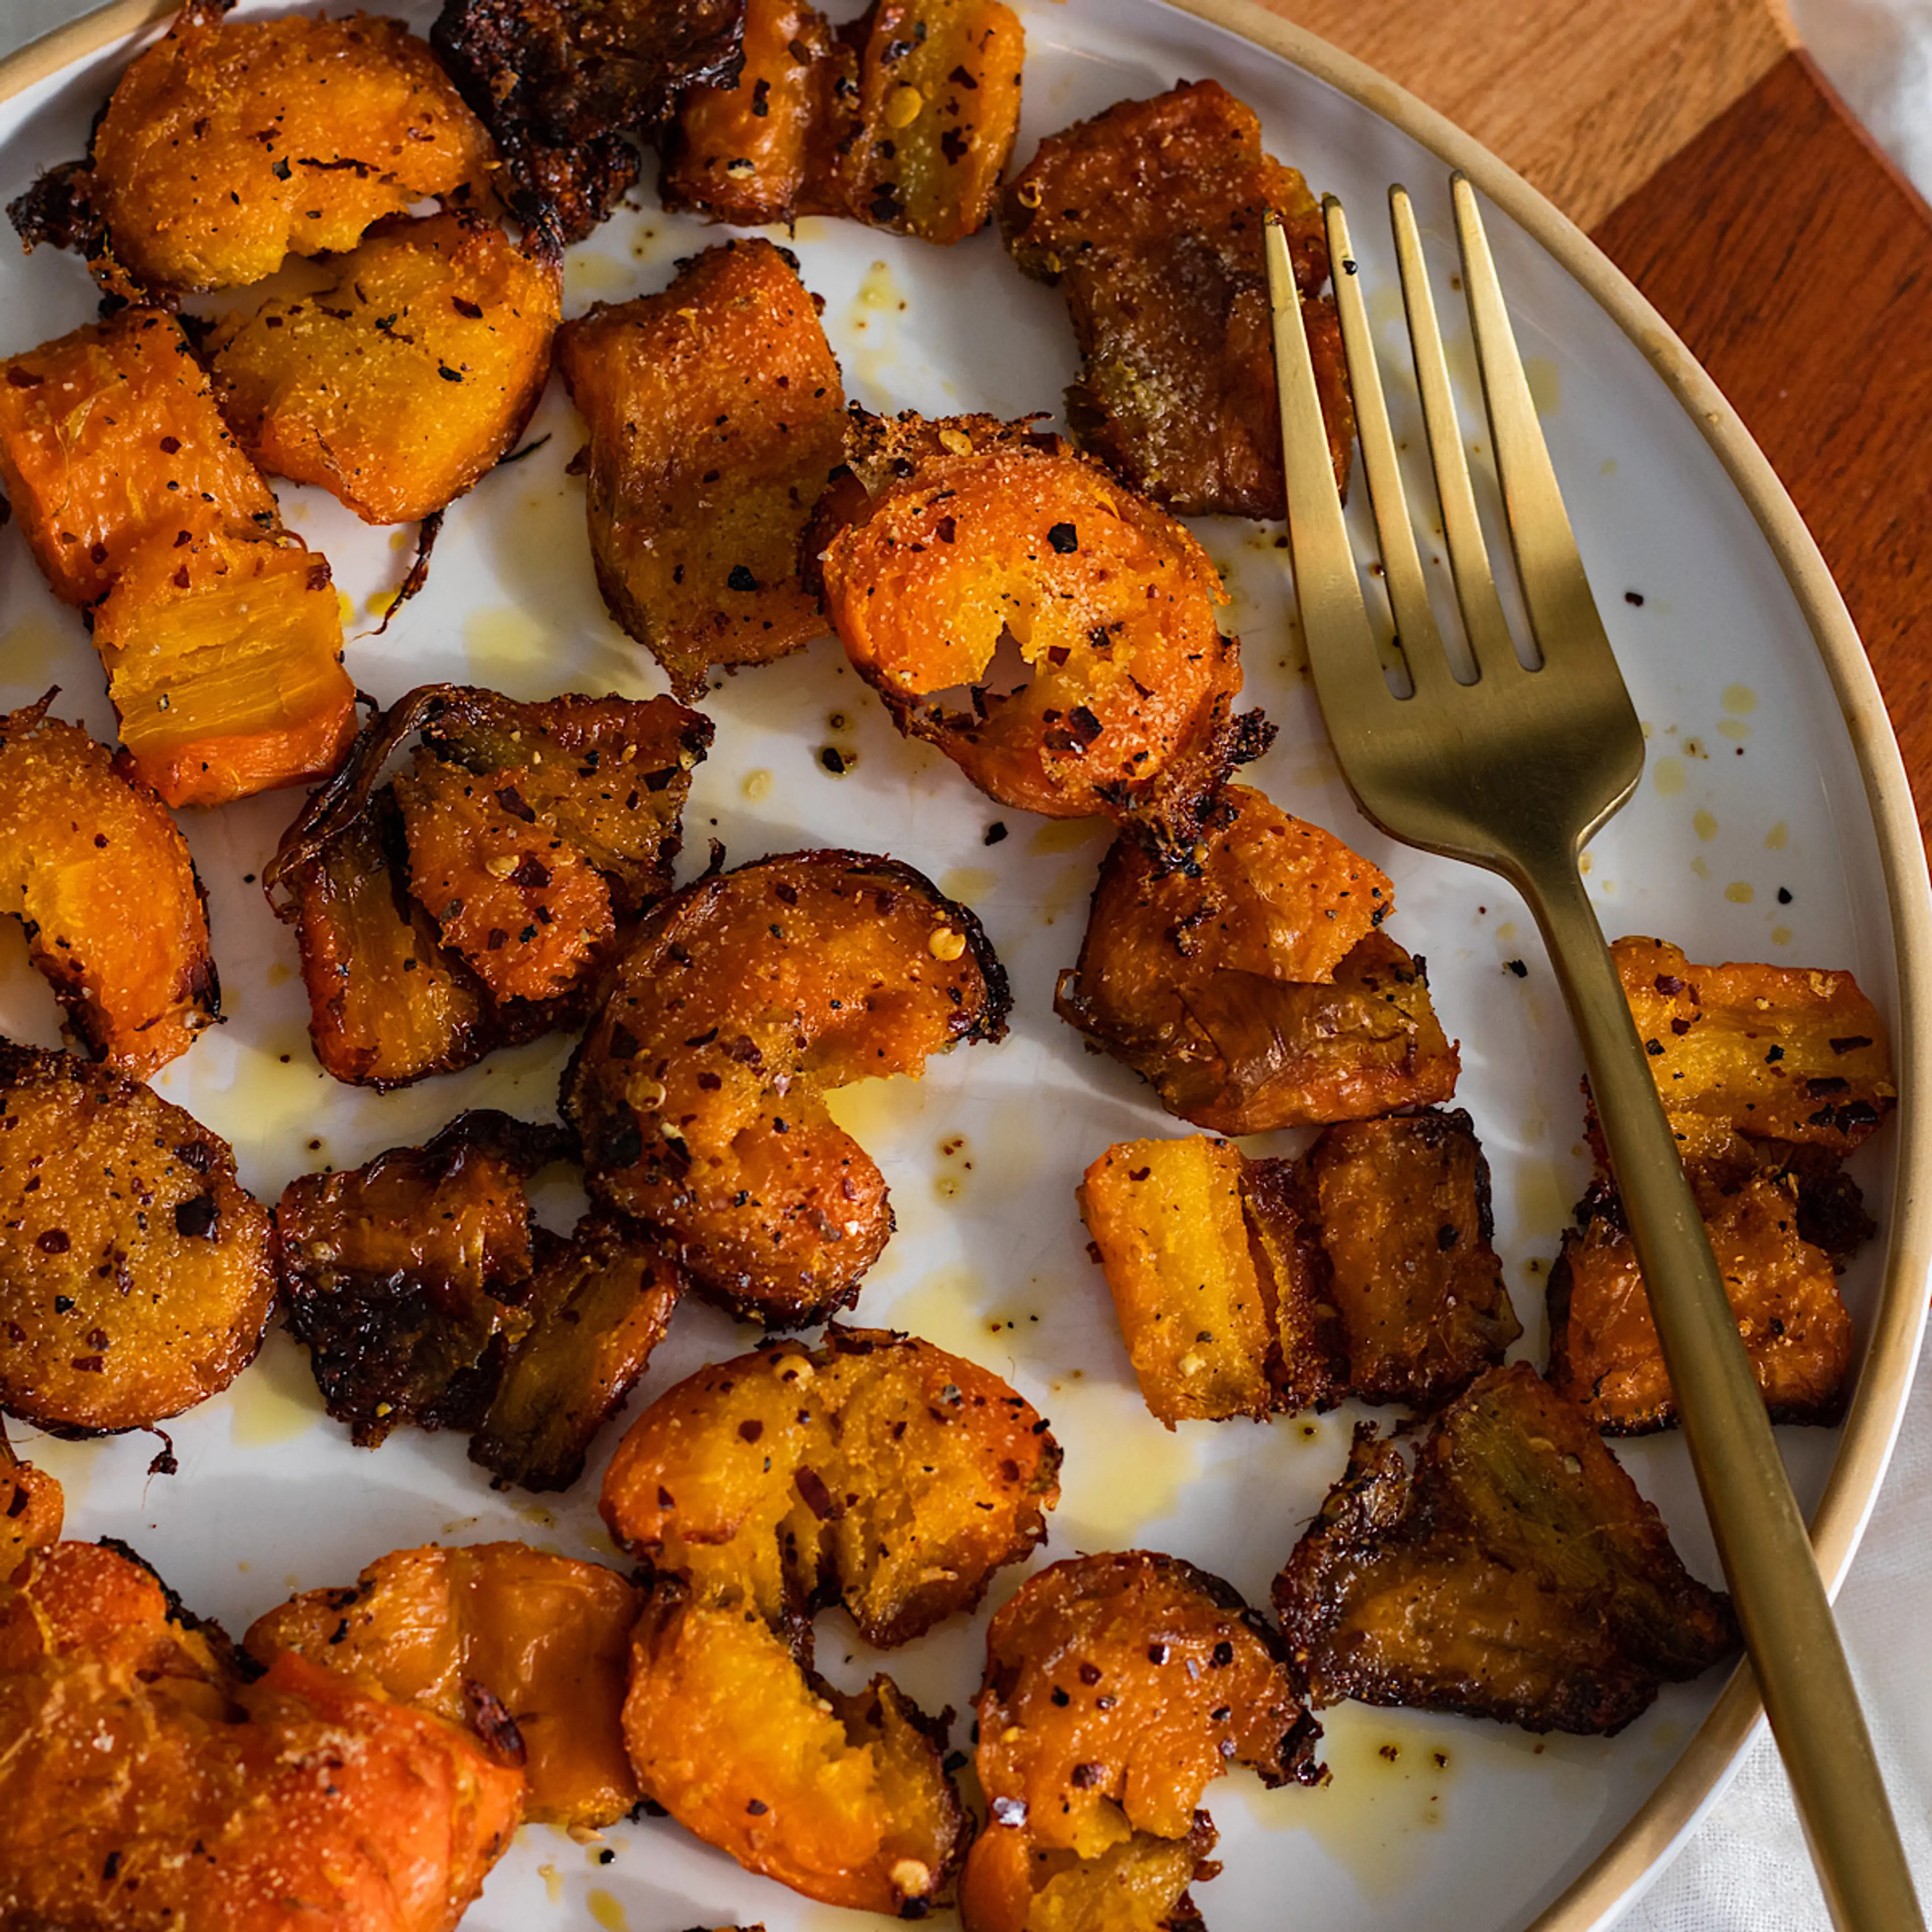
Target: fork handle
1761,1537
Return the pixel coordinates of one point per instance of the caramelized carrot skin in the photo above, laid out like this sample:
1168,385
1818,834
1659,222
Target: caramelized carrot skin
878,1472
550,1636
699,1091
231,144
219,632
400,385
147,1787
974,535
101,878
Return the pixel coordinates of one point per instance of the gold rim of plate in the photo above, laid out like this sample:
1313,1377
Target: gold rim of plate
1878,1406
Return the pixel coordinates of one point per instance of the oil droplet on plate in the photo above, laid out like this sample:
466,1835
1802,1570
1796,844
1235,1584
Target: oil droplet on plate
1740,892
31,642
1739,699
871,1110
968,883
944,1308
756,785
1069,835
1704,825
504,640
1781,935
1107,1498
1667,775
599,275
605,1909
553,1880
273,1400
1777,838
1072,887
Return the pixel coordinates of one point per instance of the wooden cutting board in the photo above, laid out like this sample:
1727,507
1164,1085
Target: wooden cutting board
1709,158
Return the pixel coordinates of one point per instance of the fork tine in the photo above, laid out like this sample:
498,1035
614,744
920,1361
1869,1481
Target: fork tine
1562,613
1482,619
1341,646
1415,626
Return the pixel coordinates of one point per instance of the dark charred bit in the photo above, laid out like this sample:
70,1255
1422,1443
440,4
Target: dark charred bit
541,243
564,87
228,1654
529,449
398,990
427,531
1167,816
492,1723
58,212
422,1340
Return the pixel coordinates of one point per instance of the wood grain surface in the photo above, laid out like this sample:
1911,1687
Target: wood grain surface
1711,160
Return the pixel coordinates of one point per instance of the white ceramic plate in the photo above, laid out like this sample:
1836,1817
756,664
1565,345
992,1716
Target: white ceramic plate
1767,827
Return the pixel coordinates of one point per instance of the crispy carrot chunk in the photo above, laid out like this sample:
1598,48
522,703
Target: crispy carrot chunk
715,415
876,1471
497,1631
965,536
230,1796
426,1295
1515,1572
231,144
1769,1076
698,1092
471,903
1256,988
99,874
1148,218
402,382
220,633
136,1277
903,119
562,84
223,661
1244,1287
1118,1687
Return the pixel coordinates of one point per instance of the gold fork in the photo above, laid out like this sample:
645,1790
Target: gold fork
1515,772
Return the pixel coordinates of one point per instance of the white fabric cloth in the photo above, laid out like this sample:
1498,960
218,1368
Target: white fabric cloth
1746,1869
